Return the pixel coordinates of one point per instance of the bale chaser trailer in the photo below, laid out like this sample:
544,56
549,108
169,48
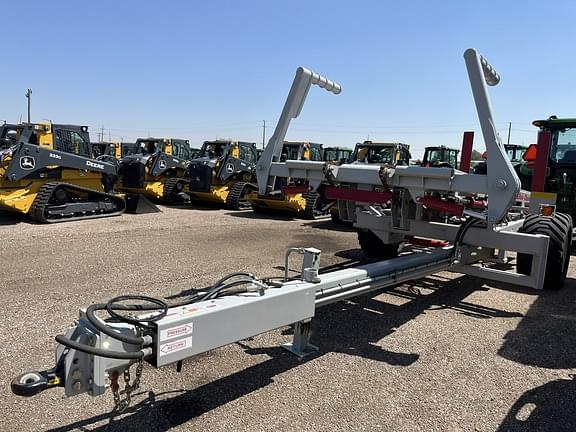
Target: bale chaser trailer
437,203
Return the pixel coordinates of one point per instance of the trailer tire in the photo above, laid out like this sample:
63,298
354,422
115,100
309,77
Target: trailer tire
372,246
559,229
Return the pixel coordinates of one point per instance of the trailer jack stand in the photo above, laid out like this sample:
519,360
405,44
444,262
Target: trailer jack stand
300,344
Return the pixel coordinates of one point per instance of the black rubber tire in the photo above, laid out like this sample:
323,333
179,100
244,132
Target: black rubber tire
335,217
559,229
372,246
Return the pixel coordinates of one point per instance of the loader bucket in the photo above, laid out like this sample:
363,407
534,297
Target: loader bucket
139,204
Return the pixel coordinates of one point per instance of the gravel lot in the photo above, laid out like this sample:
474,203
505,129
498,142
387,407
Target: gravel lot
445,353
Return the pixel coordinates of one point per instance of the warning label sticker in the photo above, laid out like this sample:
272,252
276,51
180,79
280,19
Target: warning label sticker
172,347
172,332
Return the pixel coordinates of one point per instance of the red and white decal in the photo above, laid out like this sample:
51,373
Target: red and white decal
172,332
172,347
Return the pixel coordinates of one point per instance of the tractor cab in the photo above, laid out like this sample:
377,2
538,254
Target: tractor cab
440,156
378,152
515,152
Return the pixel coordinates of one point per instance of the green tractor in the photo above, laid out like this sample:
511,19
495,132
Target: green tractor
440,157
560,177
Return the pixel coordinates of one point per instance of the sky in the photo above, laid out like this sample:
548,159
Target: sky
202,70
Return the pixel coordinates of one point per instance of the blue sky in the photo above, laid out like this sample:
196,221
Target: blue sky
201,70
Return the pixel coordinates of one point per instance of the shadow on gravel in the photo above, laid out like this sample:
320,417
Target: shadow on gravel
273,215
549,407
8,219
354,327
327,224
545,338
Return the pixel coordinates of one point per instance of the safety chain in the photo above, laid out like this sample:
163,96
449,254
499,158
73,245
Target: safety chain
121,404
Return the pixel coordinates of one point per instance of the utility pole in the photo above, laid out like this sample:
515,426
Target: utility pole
263,133
102,134
29,97
509,131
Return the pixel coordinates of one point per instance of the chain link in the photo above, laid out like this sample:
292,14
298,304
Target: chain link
121,404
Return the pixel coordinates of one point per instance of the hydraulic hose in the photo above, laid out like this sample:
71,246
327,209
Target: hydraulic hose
135,355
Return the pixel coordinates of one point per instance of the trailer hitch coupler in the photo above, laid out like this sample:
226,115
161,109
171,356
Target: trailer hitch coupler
31,383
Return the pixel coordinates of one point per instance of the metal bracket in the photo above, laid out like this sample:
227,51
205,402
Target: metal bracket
300,344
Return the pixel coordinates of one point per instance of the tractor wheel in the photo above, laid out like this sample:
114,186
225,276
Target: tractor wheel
372,246
559,229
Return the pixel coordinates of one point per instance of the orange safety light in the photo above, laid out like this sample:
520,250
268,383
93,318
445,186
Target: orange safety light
547,209
530,155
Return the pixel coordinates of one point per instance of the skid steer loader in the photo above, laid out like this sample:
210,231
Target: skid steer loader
49,172
156,170
292,195
223,173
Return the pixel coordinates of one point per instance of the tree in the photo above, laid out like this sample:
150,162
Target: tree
476,155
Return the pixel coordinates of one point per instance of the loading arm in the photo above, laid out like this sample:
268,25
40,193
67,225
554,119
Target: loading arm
300,86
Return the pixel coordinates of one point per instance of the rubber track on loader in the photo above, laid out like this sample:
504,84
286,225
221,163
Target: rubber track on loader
38,210
170,194
234,198
310,211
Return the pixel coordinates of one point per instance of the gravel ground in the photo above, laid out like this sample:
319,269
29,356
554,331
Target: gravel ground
445,353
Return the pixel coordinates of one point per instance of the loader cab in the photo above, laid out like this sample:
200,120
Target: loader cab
65,138
376,152
219,149
440,156
301,151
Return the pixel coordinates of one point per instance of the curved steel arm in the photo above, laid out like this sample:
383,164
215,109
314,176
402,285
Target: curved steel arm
503,183
300,86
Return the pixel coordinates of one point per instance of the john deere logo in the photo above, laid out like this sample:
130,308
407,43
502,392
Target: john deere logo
229,168
27,163
162,164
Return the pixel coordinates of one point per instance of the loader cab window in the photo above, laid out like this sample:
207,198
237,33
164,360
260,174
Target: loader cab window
71,142
247,153
149,147
380,155
564,146
290,152
213,149
514,153
181,150
8,138
316,153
